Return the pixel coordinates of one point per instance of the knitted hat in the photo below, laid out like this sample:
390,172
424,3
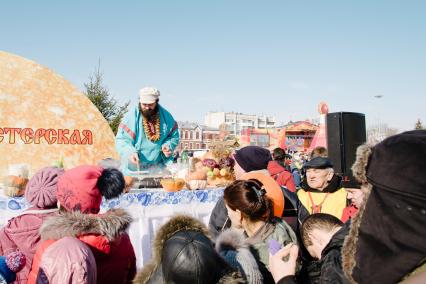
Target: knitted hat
41,190
253,158
81,188
10,265
148,95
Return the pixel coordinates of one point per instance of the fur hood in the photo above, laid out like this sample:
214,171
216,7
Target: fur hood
230,240
359,168
232,247
386,238
110,224
359,171
179,223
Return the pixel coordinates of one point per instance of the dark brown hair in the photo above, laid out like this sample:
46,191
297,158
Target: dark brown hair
249,197
279,154
319,152
319,221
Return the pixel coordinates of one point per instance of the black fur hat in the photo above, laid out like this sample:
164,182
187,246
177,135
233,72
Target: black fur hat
386,241
397,164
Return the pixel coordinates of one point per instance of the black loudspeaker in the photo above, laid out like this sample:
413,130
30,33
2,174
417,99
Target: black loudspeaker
345,132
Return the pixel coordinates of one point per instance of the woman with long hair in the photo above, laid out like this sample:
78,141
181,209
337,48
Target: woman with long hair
250,209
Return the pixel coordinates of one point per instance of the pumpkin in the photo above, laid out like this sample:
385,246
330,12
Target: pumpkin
171,184
14,185
128,180
15,181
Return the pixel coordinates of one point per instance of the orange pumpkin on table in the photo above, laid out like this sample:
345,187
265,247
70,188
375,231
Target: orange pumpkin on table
128,180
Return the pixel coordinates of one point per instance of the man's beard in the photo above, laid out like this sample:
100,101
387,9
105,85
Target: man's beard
149,114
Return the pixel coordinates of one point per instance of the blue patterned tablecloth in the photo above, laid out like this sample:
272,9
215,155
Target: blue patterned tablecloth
153,198
139,198
149,210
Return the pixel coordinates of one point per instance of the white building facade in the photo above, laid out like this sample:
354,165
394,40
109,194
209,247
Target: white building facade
236,122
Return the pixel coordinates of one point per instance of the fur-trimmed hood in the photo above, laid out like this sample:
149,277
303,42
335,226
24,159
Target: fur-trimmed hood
74,224
231,245
230,240
386,238
153,271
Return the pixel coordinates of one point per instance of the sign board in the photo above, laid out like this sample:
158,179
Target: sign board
45,119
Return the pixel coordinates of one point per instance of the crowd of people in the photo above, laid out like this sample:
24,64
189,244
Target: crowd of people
267,228
285,219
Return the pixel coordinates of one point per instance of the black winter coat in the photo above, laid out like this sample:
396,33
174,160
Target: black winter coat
330,264
331,258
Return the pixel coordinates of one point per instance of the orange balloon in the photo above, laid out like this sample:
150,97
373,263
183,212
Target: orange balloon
273,190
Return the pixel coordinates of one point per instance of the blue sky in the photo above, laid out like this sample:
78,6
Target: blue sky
279,58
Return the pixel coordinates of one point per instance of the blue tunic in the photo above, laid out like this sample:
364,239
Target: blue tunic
131,139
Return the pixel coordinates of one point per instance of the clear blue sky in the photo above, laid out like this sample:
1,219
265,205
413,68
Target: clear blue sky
267,57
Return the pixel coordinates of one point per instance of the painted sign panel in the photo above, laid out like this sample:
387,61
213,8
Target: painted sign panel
45,119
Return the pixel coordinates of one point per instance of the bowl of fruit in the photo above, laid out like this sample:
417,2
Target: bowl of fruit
219,173
172,184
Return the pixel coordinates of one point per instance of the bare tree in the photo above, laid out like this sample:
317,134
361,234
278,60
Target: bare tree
418,125
379,131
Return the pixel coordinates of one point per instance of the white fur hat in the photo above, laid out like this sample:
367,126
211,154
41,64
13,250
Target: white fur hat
148,95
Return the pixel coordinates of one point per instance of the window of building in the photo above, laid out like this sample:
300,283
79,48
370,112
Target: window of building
197,135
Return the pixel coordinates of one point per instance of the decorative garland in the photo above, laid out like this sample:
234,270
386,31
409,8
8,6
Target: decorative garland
152,129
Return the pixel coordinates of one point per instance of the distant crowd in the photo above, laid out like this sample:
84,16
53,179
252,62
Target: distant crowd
285,219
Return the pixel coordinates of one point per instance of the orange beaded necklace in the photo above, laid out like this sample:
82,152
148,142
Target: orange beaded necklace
152,129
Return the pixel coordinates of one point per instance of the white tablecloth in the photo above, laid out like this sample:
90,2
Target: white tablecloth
150,209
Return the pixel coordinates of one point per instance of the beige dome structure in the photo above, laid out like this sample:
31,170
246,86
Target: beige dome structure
45,119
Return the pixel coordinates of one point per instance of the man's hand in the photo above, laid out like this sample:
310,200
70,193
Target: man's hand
279,268
166,150
134,158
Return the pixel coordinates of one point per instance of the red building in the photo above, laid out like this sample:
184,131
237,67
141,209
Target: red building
294,136
194,136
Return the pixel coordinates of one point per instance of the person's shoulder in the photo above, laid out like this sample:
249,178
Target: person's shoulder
281,225
132,113
301,193
165,112
135,110
24,222
341,191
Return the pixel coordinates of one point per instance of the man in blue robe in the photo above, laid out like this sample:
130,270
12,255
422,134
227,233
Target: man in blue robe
148,135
